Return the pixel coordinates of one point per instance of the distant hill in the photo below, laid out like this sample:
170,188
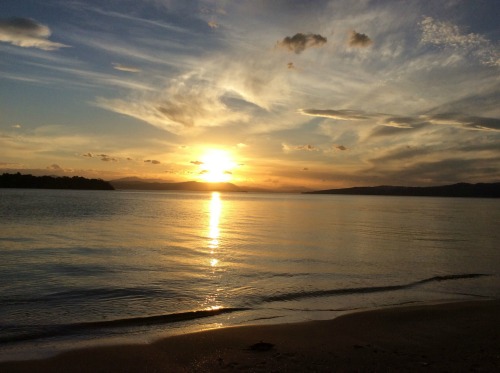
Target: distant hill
138,184
481,190
51,182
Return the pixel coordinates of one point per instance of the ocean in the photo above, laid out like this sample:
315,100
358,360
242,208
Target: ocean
79,268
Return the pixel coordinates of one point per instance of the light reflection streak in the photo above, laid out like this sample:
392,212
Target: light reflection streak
215,211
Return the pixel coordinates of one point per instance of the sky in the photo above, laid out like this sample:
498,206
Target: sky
276,94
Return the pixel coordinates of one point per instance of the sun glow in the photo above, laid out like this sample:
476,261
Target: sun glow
216,166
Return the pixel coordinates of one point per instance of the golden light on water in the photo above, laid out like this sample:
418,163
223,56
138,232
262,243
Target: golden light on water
213,235
215,212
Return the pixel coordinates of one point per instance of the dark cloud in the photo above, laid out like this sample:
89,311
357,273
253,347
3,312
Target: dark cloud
228,173
402,154
448,171
203,172
290,65
340,147
307,147
26,32
54,167
451,119
196,162
103,157
107,158
464,121
359,40
152,161
388,131
305,169
300,42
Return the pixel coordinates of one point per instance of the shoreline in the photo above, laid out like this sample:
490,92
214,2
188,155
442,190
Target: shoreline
457,336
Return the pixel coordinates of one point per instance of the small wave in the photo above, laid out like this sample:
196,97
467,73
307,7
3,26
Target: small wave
16,334
158,319
94,294
365,290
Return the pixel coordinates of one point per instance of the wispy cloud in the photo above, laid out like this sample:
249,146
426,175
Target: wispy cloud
451,119
126,68
464,121
446,34
27,33
184,105
339,114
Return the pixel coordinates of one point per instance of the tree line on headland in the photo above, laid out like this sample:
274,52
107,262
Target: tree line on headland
480,190
52,182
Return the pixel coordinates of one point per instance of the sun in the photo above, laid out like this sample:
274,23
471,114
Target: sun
216,166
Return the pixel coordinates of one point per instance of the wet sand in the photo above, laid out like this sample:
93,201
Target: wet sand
453,337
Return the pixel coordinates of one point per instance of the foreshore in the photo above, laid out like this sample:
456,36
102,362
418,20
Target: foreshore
452,337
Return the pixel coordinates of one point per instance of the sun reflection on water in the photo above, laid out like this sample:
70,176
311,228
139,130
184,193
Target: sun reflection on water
212,301
215,212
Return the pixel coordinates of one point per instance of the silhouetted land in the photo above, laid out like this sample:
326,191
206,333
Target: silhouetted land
50,182
188,186
481,190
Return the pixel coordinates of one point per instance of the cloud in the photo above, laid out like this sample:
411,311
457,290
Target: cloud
300,42
452,119
359,40
107,158
196,162
27,33
188,102
103,157
213,25
54,167
152,161
290,65
340,147
338,114
16,126
402,122
130,69
308,147
446,34
464,121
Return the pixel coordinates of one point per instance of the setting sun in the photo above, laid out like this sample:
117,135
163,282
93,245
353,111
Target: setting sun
216,166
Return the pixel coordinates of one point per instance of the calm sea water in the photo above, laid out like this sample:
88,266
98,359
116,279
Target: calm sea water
80,267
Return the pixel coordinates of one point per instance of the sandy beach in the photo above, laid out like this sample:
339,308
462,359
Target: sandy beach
452,337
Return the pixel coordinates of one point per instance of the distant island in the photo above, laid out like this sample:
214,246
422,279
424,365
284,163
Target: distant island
480,190
52,182
138,184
